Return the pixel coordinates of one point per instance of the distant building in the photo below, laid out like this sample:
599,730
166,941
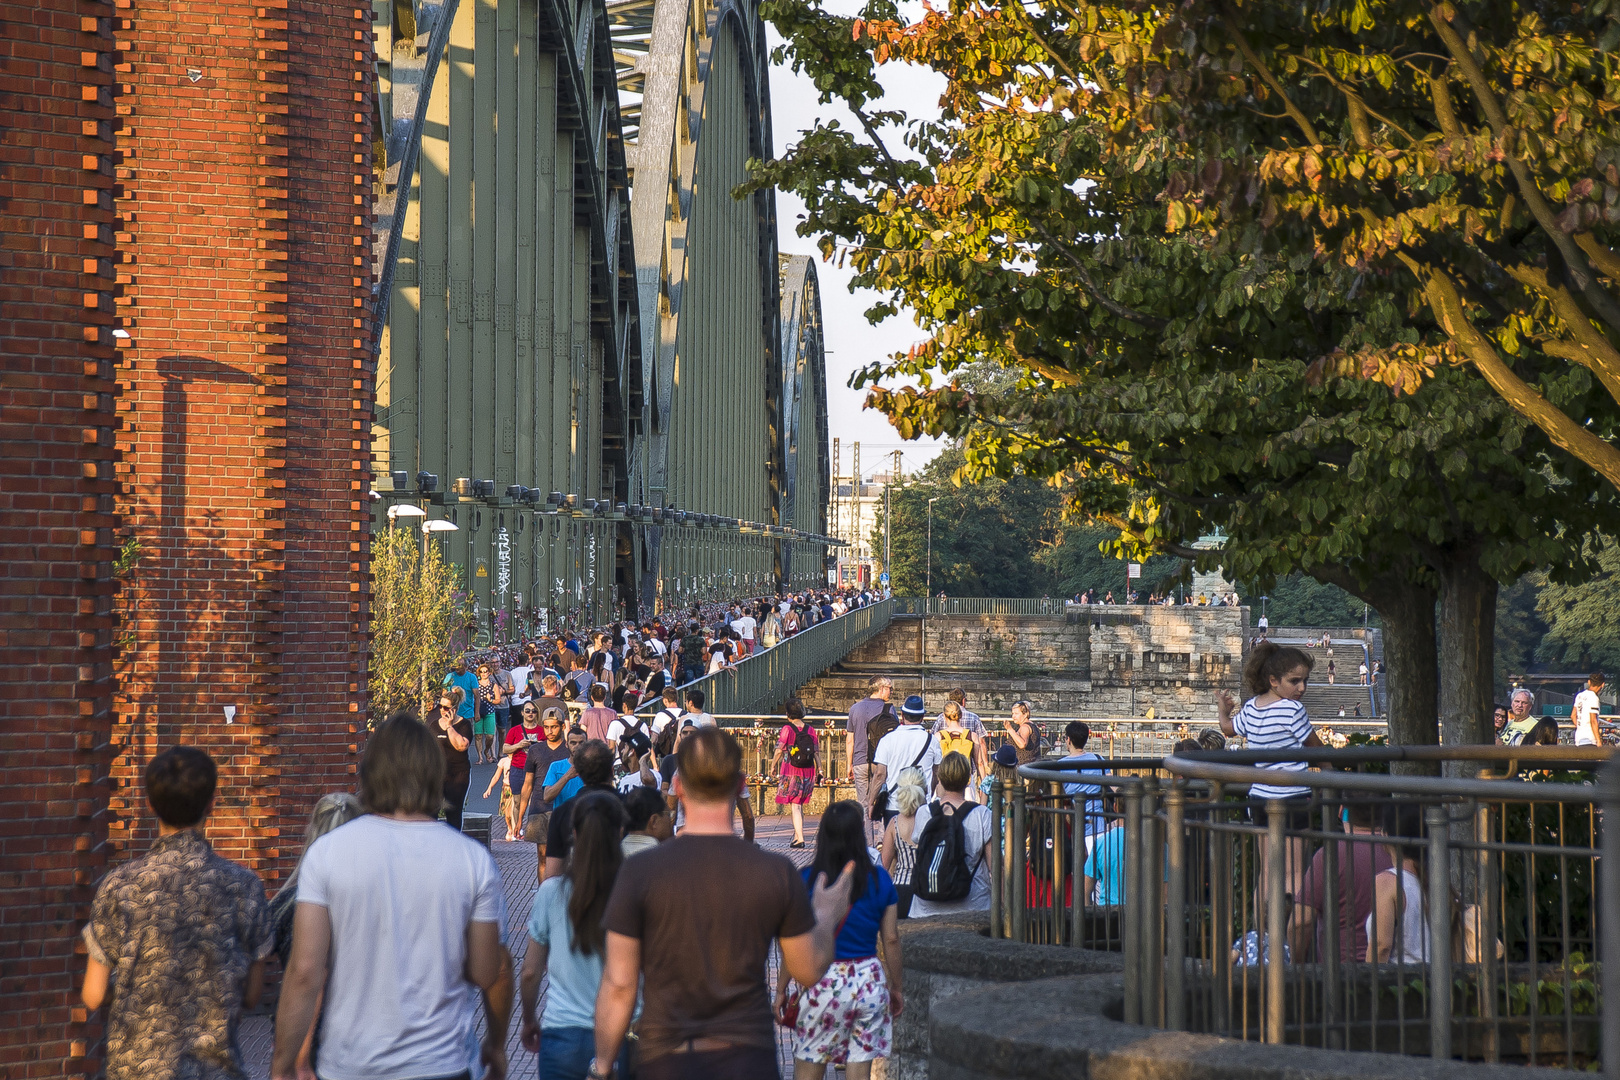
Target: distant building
856,514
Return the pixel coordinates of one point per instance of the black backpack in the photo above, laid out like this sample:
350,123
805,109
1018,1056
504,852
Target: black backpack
879,726
802,754
942,872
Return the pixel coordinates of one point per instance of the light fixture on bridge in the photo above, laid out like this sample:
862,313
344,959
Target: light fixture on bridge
461,485
400,479
426,482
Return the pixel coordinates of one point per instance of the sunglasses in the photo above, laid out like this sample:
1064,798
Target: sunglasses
445,708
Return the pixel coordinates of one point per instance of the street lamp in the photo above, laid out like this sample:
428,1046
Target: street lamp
437,525
399,510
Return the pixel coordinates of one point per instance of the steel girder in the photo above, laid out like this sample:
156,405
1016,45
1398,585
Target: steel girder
707,276
804,395
509,349
512,346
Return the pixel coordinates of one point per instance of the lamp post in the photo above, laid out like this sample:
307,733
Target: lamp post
437,525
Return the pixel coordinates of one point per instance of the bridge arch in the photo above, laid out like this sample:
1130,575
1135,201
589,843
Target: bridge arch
805,483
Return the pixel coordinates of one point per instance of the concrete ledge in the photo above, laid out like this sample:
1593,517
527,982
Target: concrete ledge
1065,1028
948,955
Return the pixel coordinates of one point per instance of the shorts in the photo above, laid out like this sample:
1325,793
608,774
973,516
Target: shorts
845,1016
534,829
1297,815
484,725
514,780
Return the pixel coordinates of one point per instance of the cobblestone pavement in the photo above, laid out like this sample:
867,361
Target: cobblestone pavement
517,864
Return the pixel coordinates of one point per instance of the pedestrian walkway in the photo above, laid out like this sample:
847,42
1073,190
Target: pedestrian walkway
517,864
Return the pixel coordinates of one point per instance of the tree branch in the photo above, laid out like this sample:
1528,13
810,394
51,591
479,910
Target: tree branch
1232,27
1446,304
1108,303
1580,270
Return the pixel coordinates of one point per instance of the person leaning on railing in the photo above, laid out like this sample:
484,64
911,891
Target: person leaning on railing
1273,719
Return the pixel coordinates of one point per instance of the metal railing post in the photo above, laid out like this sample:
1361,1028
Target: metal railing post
1276,917
1020,860
1152,903
1220,909
1077,874
1332,1003
1485,933
1439,933
1609,780
1175,912
1134,960
998,877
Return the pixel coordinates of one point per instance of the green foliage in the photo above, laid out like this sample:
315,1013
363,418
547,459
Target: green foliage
418,620
1519,630
1083,556
985,533
1583,621
1298,600
1234,259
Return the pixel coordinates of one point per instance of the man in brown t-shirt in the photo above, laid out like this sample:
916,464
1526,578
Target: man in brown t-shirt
696,917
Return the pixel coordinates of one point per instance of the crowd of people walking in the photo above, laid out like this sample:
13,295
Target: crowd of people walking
653,915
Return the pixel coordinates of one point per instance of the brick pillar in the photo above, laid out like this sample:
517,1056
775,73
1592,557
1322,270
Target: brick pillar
248,399
56,516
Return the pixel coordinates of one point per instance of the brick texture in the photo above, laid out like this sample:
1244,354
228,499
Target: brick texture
57,486
244,220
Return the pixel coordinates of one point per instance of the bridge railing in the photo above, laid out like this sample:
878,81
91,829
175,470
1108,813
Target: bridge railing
978,605
763,681
1287,922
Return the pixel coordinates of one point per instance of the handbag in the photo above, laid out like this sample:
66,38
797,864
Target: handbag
790,1007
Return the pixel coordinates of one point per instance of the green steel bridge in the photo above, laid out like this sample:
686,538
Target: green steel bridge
593,362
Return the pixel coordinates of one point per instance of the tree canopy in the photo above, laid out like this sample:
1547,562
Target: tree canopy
1194,232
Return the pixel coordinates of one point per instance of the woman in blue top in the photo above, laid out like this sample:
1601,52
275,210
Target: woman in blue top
847,1018
567,942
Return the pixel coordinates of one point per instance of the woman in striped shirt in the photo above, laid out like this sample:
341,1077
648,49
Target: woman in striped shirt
1275,677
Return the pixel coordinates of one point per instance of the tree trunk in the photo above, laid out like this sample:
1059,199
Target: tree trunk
1406,611
1412,657
1467,646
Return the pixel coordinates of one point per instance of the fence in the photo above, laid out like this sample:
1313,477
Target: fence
766,679
1331,920
977,605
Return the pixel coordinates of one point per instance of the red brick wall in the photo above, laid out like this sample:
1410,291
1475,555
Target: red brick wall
56,515
197,176
241,381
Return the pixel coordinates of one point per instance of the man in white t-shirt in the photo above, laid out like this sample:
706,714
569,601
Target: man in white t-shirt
670,712
394,899
908,746
520,682
694,709
1585,711
745,624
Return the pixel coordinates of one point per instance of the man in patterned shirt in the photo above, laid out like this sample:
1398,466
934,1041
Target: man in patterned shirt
181,934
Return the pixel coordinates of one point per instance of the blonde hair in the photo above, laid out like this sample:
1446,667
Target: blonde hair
953,711
331,810
908,795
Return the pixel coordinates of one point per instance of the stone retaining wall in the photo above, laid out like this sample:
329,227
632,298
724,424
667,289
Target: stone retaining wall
1097,660
978,1009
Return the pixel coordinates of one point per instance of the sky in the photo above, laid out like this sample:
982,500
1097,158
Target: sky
852,342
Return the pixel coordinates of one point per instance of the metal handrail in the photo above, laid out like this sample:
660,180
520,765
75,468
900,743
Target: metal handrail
1206,914
764,680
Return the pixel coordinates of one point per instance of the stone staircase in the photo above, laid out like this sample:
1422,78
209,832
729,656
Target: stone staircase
1324,700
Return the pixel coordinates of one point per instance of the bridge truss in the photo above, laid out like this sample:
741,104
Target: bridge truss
582,335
